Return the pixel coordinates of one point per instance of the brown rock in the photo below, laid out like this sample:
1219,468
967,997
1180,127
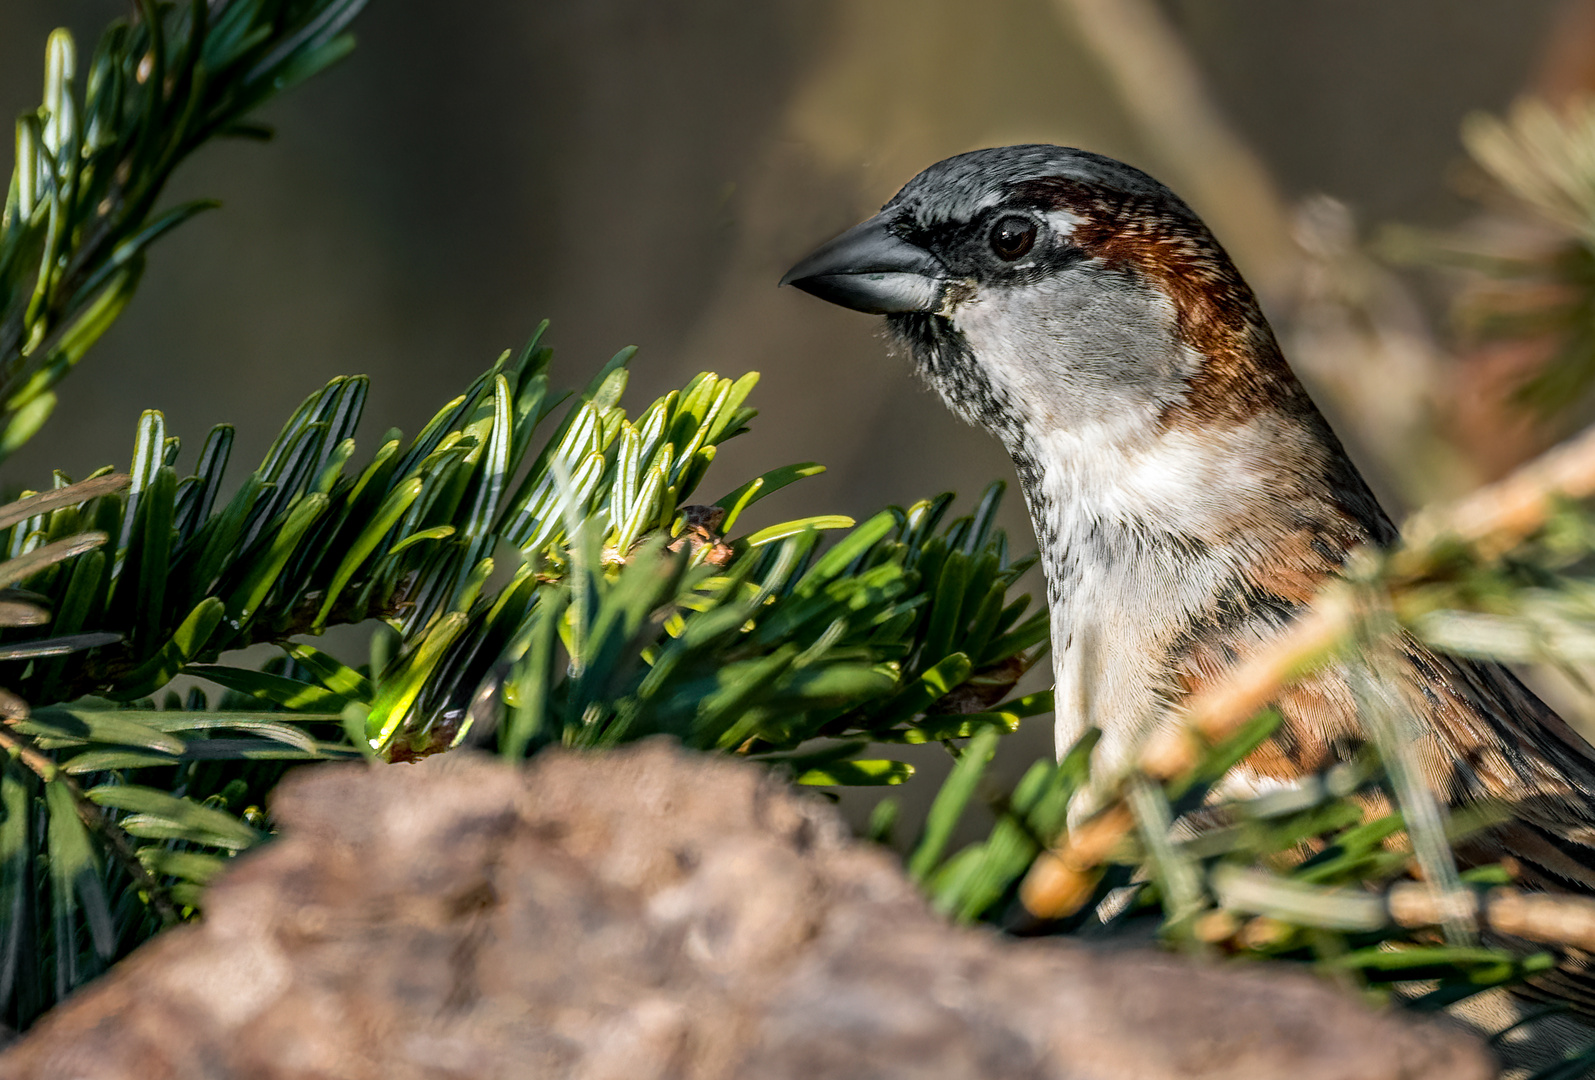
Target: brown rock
654,914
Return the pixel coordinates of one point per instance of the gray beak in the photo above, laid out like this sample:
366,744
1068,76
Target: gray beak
869,268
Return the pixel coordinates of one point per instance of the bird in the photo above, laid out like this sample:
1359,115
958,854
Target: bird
1188,498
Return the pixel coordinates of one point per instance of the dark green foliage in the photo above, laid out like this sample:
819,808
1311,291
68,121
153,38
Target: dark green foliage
77,887
543,590
594,633
778,648
92,163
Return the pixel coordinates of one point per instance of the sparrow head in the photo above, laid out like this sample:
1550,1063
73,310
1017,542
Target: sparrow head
1044,288
1186,494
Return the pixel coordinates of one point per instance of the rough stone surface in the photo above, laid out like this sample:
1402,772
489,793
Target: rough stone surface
653,914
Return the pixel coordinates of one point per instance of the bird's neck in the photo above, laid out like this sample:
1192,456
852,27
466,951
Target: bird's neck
1171,549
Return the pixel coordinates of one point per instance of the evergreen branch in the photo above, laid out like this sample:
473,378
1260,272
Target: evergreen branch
92,164
116,841
631,614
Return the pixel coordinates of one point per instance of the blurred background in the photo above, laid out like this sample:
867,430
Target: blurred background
643,173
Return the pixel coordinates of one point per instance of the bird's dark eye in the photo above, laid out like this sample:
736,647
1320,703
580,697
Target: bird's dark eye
1012,236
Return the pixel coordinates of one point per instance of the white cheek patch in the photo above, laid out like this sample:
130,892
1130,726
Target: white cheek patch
1062,222
1072,351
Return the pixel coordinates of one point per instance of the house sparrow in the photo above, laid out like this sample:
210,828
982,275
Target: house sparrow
1187,496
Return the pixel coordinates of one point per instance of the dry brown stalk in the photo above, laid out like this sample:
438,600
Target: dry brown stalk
94,819
1262,932
1499,515
71,495
13,709
1063,879
1217,711
1162,87
1553,919
1054,890
1491,520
